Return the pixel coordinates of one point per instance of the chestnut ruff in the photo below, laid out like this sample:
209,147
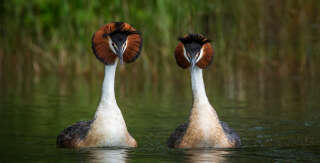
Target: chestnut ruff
206,58
100,42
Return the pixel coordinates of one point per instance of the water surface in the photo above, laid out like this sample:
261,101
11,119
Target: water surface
277,117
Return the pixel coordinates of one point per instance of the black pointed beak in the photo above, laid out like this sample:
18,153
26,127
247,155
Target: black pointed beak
120,55
120,52
193,58
193,61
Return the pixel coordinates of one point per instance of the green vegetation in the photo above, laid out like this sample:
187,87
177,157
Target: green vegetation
55,36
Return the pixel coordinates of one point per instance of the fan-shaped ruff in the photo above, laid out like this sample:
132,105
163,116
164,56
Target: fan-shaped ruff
100,42
207,56
134,46
207,49
100,47
180,58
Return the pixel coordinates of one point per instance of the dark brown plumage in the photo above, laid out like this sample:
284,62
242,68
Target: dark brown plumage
180,59
233,137
73,134
176,137
133,49
100,42
207,57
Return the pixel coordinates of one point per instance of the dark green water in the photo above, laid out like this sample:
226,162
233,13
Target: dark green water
276,117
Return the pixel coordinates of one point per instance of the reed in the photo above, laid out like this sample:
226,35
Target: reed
55,36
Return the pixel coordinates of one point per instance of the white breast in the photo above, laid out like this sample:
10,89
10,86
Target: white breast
110,126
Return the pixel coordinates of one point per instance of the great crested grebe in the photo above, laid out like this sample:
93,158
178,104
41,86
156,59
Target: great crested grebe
204,129
112,42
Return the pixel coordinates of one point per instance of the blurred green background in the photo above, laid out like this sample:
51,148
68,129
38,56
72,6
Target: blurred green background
264,81
41,36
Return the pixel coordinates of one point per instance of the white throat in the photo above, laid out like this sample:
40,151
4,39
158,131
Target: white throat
108,96
198,88
203,116
109,124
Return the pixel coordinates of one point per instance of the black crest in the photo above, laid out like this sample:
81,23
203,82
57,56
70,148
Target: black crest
190,38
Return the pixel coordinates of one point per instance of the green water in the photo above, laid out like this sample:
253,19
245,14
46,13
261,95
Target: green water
277,117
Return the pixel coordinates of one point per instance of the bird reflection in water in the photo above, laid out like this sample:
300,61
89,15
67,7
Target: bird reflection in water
113,155
206,155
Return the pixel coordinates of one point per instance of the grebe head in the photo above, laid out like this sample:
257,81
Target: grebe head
117,39
194,50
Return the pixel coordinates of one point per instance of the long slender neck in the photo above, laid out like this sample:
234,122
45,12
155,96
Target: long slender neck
198,88
203,117
108,96
109,127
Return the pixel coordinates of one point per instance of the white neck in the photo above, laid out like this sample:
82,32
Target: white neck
203,116
108,123
108,96
198,88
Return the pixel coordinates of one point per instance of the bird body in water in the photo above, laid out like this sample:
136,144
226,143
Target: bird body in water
204,129
113,42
